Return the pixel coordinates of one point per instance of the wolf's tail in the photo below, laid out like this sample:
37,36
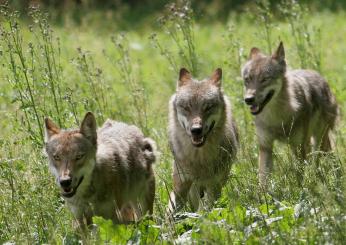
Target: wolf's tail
150,150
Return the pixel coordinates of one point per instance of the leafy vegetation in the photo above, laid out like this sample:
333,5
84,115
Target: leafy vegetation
64,71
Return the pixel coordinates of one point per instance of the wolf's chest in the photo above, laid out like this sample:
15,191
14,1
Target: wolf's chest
282,130
203,163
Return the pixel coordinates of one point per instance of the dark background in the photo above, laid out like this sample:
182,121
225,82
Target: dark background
135,10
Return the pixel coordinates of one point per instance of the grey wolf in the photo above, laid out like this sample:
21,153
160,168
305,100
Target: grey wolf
203,139
105,172
294,106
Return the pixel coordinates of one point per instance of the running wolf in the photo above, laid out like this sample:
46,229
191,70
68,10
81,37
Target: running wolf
203,138
295,106
105,172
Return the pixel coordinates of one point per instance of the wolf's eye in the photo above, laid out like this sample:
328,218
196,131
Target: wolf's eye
185,108
79,156
208,108
56,157
266,79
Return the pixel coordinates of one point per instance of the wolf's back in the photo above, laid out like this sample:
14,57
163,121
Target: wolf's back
312,90
125,143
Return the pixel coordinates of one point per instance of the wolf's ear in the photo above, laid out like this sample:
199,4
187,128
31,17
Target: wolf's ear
279,54
254,53
50,129
216,77
88,127
184,77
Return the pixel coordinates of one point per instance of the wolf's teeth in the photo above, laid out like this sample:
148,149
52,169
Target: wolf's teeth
254,108
197,141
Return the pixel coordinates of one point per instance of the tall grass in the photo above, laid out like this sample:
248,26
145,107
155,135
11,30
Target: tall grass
307,38
177,22
265,18
34,71
132,80
93,77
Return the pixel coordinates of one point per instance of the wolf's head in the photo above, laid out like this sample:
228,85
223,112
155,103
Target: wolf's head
263,77
71,153
199,104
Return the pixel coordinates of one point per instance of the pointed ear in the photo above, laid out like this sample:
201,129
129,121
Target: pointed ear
279,54
50,129
184,77
254,53
88,127
216,77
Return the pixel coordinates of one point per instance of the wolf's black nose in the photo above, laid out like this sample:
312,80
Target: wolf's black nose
196,129
65,182
249,100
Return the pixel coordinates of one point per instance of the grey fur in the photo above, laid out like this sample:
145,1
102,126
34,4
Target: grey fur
301,109
118,181
199,169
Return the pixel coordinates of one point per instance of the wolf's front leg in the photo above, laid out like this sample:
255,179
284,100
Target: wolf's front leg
181,187
82,213
301,149
265,164
82,223
213,193
194,197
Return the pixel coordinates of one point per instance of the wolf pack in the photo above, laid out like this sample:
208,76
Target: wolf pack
108,171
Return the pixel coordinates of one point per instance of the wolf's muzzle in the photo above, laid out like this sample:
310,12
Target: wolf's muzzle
65,182
257,108
70,192
211,127
249,100
196,129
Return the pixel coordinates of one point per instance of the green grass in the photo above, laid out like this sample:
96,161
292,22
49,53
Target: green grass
127,77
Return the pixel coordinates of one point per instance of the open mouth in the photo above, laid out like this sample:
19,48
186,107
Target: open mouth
257,108
199,140
70,192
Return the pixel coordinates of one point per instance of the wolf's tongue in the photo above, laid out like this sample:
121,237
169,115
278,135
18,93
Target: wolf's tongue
197,139
254,108
67,190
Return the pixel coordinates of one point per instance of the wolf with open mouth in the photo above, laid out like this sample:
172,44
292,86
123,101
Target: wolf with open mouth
203,138
294,106
105,172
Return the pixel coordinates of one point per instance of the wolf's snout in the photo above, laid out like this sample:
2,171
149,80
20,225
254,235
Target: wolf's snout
197,136
249,100
65,182
196,129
